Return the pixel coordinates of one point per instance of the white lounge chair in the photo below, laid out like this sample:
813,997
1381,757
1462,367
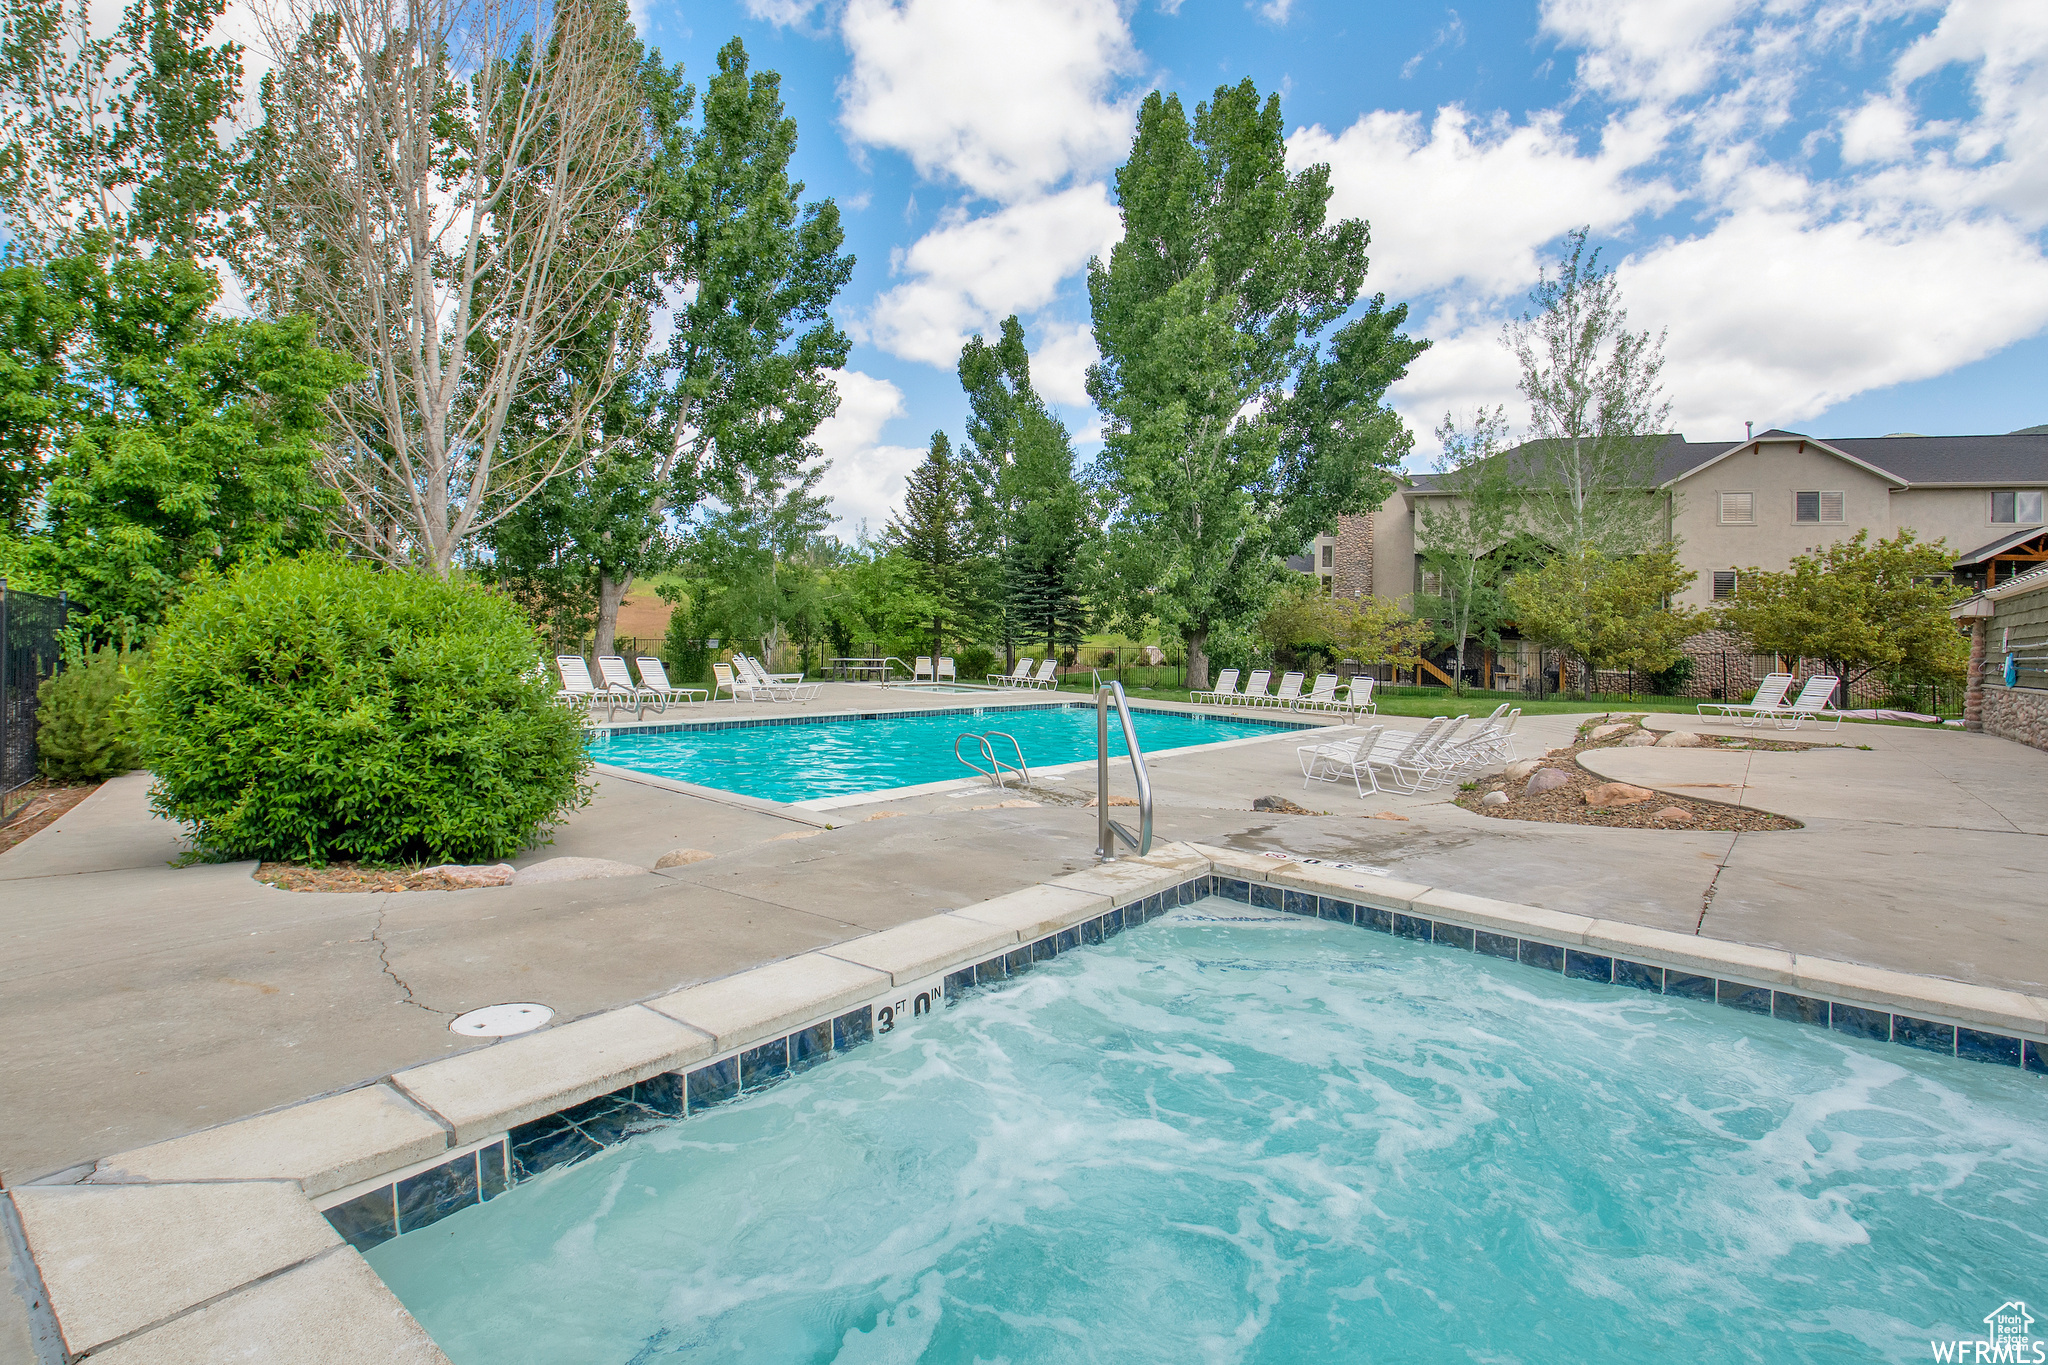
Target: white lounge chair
922,670
654,675
761,672
579,690
1223,693
1044,676
1016,677
1321,697
775,687
1403,755
944,671
1811,704
1344,758
1354,701
618,679
1288,692
1469,754
725,678
1254,693
1770,694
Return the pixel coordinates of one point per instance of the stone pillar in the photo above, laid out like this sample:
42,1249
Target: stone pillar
1973,695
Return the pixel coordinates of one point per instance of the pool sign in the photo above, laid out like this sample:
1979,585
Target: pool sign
2008,1337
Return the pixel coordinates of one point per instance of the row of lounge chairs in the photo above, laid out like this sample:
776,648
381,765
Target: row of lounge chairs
1413,760
1022,676
619,689
1322,696
745,678
1769,703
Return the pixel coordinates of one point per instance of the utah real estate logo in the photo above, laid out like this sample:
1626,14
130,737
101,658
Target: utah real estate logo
2007,1340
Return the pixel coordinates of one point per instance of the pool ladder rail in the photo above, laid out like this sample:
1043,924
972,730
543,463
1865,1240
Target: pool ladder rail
996,766
1109,831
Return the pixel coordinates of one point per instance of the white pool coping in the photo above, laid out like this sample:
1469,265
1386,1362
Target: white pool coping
133,1261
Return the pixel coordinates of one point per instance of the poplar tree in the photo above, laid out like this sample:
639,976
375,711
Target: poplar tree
1230,436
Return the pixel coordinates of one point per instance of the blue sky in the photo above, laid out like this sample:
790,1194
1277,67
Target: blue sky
1835,207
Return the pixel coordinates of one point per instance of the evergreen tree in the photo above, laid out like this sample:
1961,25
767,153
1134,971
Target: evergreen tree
933,533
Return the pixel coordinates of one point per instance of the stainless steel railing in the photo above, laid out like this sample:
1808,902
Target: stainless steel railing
996,766
1109,831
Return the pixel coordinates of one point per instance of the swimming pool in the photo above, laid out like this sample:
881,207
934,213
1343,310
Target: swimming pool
1235,1136
806,759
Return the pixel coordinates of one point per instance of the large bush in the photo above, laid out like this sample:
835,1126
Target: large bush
317,709
82,730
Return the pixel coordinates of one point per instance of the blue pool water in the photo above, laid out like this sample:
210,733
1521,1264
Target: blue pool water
1233,1137
843,757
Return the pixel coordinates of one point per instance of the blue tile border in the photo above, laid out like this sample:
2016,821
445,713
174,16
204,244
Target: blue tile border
583,1130
839,717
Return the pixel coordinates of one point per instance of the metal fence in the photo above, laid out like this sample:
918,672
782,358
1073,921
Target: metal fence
30,650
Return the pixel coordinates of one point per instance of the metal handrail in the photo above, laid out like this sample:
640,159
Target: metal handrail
994,771
1109,831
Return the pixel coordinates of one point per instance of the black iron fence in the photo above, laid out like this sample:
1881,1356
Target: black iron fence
31,647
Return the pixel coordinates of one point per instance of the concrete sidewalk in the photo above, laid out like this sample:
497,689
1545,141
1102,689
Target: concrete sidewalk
142,1001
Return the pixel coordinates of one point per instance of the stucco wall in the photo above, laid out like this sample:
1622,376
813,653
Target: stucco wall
1772,472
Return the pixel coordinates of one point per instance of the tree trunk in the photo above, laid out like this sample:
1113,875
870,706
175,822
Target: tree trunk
1198,658
610,594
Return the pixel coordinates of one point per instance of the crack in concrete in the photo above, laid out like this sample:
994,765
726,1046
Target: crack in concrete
384,961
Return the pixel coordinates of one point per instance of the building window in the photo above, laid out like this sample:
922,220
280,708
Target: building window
1432,584
1724,584
2016,509
1329,555
1738,509
1326,584
1821,507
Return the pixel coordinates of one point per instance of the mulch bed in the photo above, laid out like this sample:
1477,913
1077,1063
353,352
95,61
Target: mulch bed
1566,805
342,876
38,805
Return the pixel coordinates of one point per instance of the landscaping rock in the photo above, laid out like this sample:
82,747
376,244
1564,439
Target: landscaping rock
1600,732
1280,804
1519,770
1616,794
1638,740
1680,739
1494,799
1673,815
575,870
1545,780
476,874
682,857
1560,749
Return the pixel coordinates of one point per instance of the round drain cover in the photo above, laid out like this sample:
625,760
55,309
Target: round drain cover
501,1021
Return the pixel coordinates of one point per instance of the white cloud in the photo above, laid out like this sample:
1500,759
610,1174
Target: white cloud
1474,200
785,12
1059,367
970,273
1008,97
866,477
1649,49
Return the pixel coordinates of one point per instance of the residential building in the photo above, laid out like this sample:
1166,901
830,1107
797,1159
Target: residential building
1761,501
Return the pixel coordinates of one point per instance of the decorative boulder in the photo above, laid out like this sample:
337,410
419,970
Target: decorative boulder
1673,815
682,857
575,870
486,874
1617,794
1519,770
1600,732
1545,780
1494,799
1638,740
1680,739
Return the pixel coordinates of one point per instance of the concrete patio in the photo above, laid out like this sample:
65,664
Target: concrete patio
142,1001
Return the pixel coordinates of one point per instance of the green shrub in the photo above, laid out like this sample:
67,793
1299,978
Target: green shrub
82,730
315,708
974,663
